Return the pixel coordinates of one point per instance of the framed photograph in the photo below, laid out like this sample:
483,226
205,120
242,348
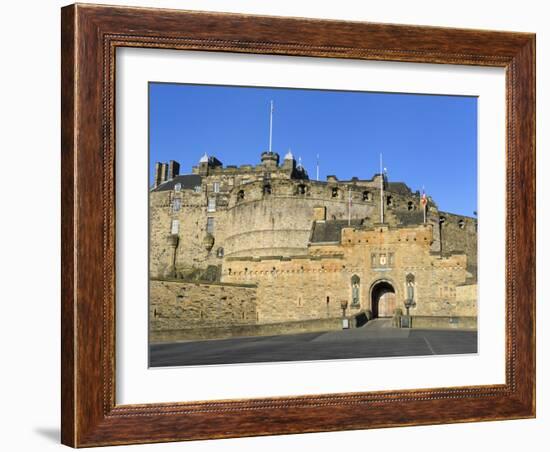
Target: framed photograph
281,225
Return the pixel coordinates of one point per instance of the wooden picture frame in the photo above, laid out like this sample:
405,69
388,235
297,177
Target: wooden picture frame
90,36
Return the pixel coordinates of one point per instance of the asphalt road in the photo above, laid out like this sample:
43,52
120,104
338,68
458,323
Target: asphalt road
373,342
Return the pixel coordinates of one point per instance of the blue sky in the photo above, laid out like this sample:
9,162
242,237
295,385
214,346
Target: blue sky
425,140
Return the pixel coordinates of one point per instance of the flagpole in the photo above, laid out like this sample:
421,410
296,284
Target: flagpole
424,214
381,192
349,206
424,203
270,125
317,167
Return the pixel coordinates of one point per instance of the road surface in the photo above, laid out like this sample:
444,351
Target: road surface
375,340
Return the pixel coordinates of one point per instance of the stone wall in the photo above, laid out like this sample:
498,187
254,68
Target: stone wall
460,235
444,322
269,329
279,223
176,305
265,238
315,285
466,300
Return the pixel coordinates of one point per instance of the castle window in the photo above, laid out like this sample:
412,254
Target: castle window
240,195
177,187
216,187
176,206
267,189
301,189
410,206
219,252
461,224
211,204
389,201
367,196
175,227
335,192
442,220
210,225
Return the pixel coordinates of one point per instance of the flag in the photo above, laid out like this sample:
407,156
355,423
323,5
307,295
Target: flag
424,202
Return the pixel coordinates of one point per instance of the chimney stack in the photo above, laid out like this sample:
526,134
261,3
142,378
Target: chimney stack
173,169
158,167
163,172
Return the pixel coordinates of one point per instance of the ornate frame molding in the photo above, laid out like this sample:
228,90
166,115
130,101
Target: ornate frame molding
90,36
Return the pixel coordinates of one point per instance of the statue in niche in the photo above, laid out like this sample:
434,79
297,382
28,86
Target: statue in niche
355,281
410,287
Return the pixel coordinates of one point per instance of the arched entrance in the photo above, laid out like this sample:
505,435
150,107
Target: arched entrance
383,299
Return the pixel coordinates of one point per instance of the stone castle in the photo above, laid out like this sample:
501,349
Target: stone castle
264,249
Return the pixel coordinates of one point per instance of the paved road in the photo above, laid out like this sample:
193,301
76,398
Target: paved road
377,340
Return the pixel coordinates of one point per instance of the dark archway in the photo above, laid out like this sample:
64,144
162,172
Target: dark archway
383,300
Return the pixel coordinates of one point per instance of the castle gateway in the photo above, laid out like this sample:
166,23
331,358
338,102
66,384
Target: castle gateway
262,248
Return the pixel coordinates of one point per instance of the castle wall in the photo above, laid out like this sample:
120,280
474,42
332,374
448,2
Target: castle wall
249,222
297,288
178,305
264,237
280,225
188,243
460,235
466,299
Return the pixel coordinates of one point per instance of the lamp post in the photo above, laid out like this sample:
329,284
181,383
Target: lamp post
408,305
344,306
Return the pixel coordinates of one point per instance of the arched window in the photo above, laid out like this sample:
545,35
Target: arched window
410,206
240,195
461,224
335,192
389,201
301,189
219,252
355,288
367,196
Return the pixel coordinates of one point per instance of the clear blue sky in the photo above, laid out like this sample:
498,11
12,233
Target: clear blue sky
425,140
